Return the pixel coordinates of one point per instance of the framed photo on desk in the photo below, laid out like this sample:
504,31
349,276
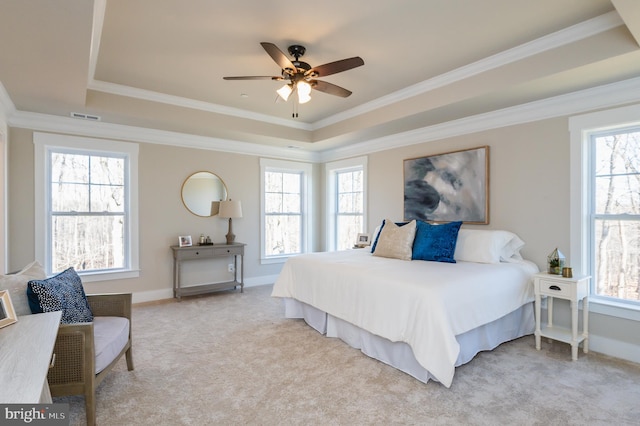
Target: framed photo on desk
185,241
7,313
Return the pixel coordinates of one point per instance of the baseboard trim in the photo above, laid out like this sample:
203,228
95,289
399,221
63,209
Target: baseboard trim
167,293
614,348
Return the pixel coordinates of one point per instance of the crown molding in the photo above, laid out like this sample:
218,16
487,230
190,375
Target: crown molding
148,95
99,9
554,40
7,106
66,125
606,96
560,38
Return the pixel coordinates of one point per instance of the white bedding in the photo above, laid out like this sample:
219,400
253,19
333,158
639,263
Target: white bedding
424,304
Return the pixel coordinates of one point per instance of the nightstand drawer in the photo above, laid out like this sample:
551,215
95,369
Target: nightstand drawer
556,288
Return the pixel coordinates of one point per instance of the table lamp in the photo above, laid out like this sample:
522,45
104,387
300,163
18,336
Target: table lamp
230,209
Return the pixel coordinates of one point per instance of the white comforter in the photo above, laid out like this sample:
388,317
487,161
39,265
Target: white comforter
425,304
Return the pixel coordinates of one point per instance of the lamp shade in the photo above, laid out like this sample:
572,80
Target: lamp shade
230,209
215,207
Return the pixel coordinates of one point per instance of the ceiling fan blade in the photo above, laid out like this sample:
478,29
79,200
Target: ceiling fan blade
335,67
279,57
329,88
254,77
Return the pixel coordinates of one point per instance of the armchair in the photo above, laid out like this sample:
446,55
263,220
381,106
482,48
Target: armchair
86,352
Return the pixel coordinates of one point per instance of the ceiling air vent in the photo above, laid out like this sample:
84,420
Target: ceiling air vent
85,116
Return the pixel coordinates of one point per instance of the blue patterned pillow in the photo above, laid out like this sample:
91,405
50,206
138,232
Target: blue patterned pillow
435,242
62,292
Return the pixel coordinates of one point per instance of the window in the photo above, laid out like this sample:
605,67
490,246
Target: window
346,203
615,214
88,206
285,196
605,208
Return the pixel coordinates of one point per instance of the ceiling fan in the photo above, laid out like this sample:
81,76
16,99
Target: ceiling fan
300,76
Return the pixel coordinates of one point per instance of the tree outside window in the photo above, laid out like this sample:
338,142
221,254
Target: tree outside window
283,213
87,211
349,207
615,214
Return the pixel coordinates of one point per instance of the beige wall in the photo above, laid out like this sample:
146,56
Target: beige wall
529,182
529,188
162,170
529,195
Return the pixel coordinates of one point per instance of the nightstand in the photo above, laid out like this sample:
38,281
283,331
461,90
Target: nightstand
571,289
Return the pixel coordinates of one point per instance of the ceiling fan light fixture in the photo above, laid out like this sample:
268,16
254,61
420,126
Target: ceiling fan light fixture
303,99
304,87
285,91
304,92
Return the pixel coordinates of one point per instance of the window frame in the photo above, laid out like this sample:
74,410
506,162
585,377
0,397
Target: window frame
306,172
582,128
45,143
331,172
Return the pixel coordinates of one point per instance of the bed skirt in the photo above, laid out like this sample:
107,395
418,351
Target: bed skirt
399,355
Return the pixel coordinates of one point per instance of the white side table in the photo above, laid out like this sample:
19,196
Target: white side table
572,289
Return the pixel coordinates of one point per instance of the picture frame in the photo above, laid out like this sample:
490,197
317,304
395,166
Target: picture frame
363,240
7,313
185,241
453,186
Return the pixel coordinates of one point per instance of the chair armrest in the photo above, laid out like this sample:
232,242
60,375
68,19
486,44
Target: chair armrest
75,354
110,305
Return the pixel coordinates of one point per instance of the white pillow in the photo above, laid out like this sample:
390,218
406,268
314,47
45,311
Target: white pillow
396,241
487,246
17,286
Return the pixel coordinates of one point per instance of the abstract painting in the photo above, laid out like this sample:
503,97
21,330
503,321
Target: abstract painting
448,187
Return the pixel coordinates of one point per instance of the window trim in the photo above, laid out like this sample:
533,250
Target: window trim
581,128
331,171
43,143
306,170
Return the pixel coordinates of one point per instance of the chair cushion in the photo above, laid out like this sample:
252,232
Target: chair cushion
110,336
62,292
16,284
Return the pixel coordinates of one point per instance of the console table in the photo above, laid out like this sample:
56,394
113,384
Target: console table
25,355
182,254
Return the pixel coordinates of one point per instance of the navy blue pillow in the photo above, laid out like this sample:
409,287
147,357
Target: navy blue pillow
62,292
435,242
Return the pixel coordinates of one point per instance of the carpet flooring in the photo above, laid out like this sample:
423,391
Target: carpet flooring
232,359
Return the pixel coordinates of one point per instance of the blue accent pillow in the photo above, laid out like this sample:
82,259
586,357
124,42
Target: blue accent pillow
62,292
435,242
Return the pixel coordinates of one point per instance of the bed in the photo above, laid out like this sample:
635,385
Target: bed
422,317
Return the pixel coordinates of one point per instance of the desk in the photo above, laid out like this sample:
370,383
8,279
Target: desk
182,254
25,355
572,289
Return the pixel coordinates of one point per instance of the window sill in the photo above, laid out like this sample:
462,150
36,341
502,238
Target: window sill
614,309
276,259
89,277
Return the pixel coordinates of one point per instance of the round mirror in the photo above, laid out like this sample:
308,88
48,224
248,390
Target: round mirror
202,193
